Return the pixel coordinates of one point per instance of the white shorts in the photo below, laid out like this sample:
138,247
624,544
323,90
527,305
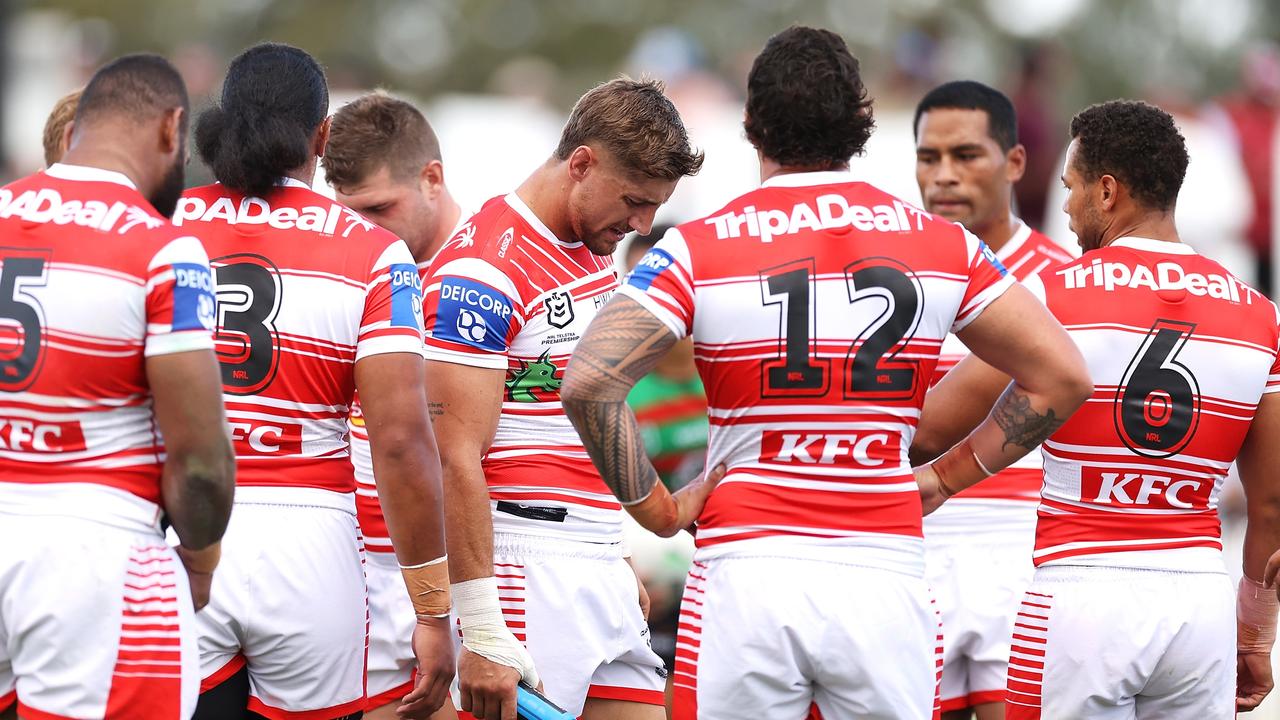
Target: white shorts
767,637
289,600
1112,644
576,607
391,664
979,585
95,622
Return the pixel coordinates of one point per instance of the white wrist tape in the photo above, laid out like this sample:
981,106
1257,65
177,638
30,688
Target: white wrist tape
1256,609
484,632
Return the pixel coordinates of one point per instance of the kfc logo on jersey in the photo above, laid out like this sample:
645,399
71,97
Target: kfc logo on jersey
868,449
1124,487
472,313
831,211
559,309
35,436
46,206
1167,276
265,438
256,211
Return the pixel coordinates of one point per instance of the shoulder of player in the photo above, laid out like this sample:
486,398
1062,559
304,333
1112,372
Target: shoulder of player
1043,245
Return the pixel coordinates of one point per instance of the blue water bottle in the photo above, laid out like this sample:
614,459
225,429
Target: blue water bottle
533,705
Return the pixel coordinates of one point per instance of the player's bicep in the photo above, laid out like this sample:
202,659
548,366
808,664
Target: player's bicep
622,344
1017,335
1260,453
465,405
187,391
392,398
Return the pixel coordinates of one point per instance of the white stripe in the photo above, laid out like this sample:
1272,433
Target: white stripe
1119,543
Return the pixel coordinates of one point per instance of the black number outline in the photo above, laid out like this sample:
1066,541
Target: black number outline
16,264
786,359
1124,412
886,361
221,267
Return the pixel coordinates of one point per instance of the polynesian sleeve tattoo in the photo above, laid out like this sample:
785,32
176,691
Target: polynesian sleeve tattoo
622,345
1022,425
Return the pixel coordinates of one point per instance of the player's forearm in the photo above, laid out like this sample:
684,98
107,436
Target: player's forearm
409,488
610,434
468,521
198,489
1262,533
1020,421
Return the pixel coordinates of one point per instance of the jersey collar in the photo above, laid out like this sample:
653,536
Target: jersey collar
292,182
84,173
1149,245
526,213
1016,240
805,179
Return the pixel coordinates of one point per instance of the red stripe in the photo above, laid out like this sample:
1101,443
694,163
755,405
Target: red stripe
152,689
635,695
335,711
390,696
217,677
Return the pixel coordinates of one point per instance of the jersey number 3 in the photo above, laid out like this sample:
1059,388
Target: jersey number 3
249,295
1157,404
872,370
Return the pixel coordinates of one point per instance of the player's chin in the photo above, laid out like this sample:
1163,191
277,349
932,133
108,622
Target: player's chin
604,242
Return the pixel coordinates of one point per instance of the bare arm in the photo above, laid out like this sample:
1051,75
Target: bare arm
955,406
393,399
1259,457
198,482
1017,336
622,344
465,405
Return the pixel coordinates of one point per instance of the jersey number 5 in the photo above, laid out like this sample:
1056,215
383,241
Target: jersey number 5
249,295
872,369
1157,404
21,347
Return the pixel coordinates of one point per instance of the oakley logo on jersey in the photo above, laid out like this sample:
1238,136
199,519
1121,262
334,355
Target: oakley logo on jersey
472,313
46,206
649,268
256,211
816,448
831,211
40,437
194,307
559,309
1116,487
265,439
535,381
1166,276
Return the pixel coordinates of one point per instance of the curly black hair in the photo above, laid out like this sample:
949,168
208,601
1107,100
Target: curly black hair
1136,143
806,104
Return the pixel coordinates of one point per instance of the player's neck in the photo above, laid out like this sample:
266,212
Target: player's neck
998,233
770,168
305,174
446,221
546,196
112,155
1153,226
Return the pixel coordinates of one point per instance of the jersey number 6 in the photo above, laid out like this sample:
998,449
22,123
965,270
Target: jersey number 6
1158,402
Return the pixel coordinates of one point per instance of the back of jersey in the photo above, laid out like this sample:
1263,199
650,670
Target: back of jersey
92,282
818,307
306,287
1180,353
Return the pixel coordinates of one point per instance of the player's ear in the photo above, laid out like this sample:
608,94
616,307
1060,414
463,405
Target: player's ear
65,143
1108,192
581,161
432,178
321,139
1015,163
170,130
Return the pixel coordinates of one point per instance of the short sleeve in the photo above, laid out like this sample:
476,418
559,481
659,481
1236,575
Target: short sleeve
473,313
392,320
663,283
986,279
1273,378
180,303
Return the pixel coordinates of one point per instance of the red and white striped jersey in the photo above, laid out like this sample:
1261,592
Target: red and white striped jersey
306,288
505,293
92,282
1180,352
373,524
818,306
1005,502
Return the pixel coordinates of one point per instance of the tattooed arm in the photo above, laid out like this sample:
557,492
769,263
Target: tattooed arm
623,343
1015,337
